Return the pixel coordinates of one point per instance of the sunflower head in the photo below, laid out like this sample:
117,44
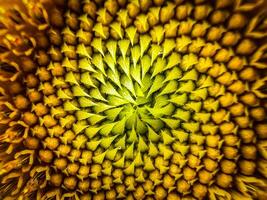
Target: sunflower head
133,99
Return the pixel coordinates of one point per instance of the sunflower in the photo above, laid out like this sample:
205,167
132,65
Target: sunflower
133,99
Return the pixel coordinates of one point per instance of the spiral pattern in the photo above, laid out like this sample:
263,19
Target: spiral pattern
133,99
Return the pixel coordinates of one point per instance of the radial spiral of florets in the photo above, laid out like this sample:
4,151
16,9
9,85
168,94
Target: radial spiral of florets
133,99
